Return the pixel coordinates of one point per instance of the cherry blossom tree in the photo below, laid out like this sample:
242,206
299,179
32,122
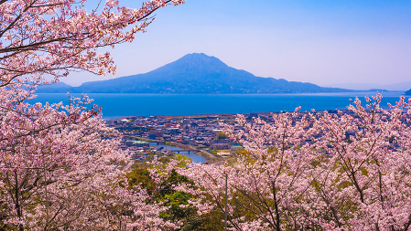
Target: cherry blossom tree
314,171
266,184
61,168
365,182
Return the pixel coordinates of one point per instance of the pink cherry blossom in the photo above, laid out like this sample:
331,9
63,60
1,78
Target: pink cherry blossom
61,168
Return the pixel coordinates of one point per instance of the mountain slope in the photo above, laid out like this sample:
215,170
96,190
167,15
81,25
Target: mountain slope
199,73
408,92
56,87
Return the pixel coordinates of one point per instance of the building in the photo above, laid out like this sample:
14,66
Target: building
137,143
173,130
234,147
220,146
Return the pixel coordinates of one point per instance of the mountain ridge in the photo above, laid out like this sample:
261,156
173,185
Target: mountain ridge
402,86
194,73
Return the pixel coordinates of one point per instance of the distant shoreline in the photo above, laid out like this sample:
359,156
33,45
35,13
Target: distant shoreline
199,116
223,93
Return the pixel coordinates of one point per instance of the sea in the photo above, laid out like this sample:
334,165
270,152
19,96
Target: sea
124,105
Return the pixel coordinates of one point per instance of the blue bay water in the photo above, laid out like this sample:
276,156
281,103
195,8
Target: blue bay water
123,105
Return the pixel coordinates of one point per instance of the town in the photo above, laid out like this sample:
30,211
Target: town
167,135
199,137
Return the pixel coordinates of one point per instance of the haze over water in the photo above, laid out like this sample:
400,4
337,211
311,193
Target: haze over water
123,105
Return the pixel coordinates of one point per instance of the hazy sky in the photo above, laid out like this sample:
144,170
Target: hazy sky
318,41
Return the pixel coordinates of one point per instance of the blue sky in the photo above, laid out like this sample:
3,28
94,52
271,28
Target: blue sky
323,42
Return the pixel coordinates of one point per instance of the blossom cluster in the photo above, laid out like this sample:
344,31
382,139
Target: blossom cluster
315,170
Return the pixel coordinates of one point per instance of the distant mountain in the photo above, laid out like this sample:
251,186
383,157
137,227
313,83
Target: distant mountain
198,73
408,92
366,86
56,87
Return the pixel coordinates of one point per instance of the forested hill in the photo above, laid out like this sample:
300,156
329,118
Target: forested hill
194,73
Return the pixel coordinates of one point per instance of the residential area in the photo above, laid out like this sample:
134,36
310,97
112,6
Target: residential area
166,135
